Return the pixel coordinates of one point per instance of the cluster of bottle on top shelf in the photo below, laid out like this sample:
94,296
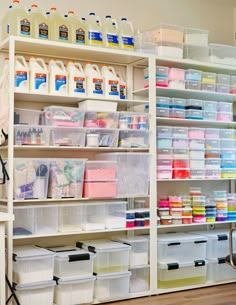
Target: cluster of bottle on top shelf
195,153
193,109
68,79
192,79
52,25
197,208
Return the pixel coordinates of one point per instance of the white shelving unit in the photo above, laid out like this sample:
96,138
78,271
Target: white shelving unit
136,98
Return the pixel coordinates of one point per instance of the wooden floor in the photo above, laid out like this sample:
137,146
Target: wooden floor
216,295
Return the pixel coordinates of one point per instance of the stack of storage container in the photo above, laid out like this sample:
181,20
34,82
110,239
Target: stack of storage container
220,198
111,263
33,275
181,260
231,198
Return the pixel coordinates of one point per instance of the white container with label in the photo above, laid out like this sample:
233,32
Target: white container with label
94,80
78,30
94,30
123,87
76,79
40,25
58,78
38,76
59,26
110,33
21,75
111,82
126,35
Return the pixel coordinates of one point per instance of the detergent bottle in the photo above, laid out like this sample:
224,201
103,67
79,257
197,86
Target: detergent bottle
58,80
78,30
94,30
123,87
17,21
110,33
111,82
21,75
38,76
94,80
59,26
126,35
40,25
76,79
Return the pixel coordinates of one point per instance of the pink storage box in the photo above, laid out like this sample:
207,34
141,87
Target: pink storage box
176,74
105,189
100,170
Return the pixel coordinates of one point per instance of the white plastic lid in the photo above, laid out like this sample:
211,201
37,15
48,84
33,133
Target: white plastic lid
30,252
113,275
35,285
71,254
171,265
102,245
130,239
180,237
76,281
214,234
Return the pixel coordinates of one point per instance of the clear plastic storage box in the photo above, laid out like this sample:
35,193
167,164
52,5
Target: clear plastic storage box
167,32
101,137
133,138
139,280
93,216
77,291
162,101
196,37
70,217
35,220
110,256
100,170
100,189
115,214
170,49
210,106
210,115
110,287
27,116
32,135
222,54
134,121
193,75
196,52
31,178
163,112
101,119
164,131
67,136
193,85
218,270
32,264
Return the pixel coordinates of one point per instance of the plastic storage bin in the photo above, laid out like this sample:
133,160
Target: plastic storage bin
175,274
196,37
73,292
193,85
196,52
164,153
110,256
164,164
162,112
208,87
167,32
115,215
193,75
67,136
227,134
101,119
133,168
95,105
70,217
134,121
210,115
27,116
169,49
210,105
180,132
196,133
41,293
196,144
208,78
31,178
177,103
35,220
176,74
181,247
32,264
93,216
180,154
100,170
218,270
222,88
212,133
163,101
212,144
162,71
164,131
223,79
164,174
225,107
102,137
66,178
212,164
222,54
138,255
31,135
63,116
72,263
229,144
194,114
160,82
133,138
139,280
111,287
100,189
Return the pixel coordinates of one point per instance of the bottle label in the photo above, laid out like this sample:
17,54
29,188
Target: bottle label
63,32
113,84
95,37
40,80
80,36
122,92
43,30
21,78
112,40
97,85
25,27
60,82
79,84
128,42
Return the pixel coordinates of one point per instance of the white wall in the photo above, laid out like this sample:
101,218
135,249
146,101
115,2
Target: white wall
215,15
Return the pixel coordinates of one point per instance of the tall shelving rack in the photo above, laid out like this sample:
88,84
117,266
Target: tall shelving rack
133,63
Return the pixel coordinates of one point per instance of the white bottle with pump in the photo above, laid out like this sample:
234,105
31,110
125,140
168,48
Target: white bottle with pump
126,35
111,82
78,29
123,87
95,84
40,25
59,26
38,76
110,33
76,79
21,75
94,30
58,79
17,21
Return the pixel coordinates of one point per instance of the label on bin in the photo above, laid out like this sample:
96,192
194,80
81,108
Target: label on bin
128,42
112,40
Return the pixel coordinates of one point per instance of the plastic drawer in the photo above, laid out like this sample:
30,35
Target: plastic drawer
210,106
228,164
227,134
192,85
212,154
162,71
162,112
164,174
162,82
63,116
223,79
228,173
225,116
184,164
228,154
180,173
31,135
213,173
210,115
194,154
102,137
164,153
133,138
196,144
176,74
194,104
31,178
67,136
208,87
193,75
197,164
177,113
164,164
197,174
178,103
212,133
180,132
208,78
134,121
197,37
101,119
229,144
139,280
212,164
163,101
164,131
180,143
180,154
27,116
177,84
212,144
196,133
164,143
222,88
115,215
194,114
225,107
